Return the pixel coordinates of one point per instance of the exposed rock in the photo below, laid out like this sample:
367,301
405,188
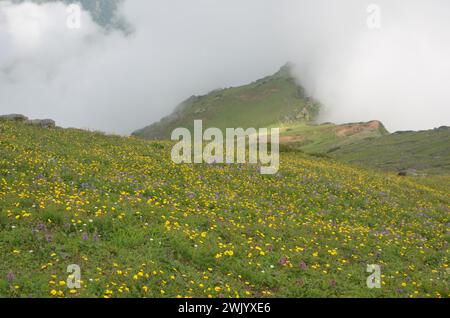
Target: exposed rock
289,139
408,172
305,114
14,117
297,115
199,111
353,129
44,123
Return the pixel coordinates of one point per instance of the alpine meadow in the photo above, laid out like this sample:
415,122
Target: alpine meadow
327,137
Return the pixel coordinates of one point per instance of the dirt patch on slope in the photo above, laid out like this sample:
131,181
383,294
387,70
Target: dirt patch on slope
289,139
353,129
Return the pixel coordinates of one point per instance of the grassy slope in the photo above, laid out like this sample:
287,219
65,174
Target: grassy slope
260,104
269,101
138,225
426,151
322,138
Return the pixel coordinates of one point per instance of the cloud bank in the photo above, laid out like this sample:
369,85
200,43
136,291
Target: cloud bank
116,82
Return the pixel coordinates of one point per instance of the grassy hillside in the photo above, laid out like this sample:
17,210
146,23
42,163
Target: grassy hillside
139,225
276,99
370,145
424,151
327,137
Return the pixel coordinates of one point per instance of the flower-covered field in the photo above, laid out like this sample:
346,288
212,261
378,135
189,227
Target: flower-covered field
140,226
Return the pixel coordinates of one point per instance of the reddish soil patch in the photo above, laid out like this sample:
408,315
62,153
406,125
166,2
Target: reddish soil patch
353,129
288,139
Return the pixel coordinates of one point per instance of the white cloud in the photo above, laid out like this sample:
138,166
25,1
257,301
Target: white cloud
106,80
398,74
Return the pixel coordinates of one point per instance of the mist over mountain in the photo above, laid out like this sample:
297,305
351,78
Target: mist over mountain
275,100
100,77
103,12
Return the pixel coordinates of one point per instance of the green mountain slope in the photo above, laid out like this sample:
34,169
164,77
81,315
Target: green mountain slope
426,151
139,225
326,137
274,100
277,101
371,145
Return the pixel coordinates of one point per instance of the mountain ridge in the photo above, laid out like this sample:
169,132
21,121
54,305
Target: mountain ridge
274,99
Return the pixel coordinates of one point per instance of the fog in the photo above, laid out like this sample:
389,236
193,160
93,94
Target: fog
396,70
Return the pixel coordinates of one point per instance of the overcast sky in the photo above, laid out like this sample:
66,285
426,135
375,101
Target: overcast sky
398,73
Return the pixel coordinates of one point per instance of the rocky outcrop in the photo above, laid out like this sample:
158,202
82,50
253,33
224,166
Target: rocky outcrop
357,128
297,115
43,123
408,172
14,117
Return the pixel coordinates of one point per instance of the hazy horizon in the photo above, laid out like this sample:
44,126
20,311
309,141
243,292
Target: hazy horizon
115,81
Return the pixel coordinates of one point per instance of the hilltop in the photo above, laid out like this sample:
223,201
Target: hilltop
274,100
139,225
279,101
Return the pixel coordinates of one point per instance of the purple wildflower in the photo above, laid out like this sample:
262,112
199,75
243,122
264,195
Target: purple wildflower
10,276
85,236
302,265
284,261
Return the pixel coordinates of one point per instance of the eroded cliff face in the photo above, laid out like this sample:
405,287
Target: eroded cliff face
356,128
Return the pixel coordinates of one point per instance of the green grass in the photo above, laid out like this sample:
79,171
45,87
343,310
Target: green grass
421,152
274,99
425,151
322,138
140,226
